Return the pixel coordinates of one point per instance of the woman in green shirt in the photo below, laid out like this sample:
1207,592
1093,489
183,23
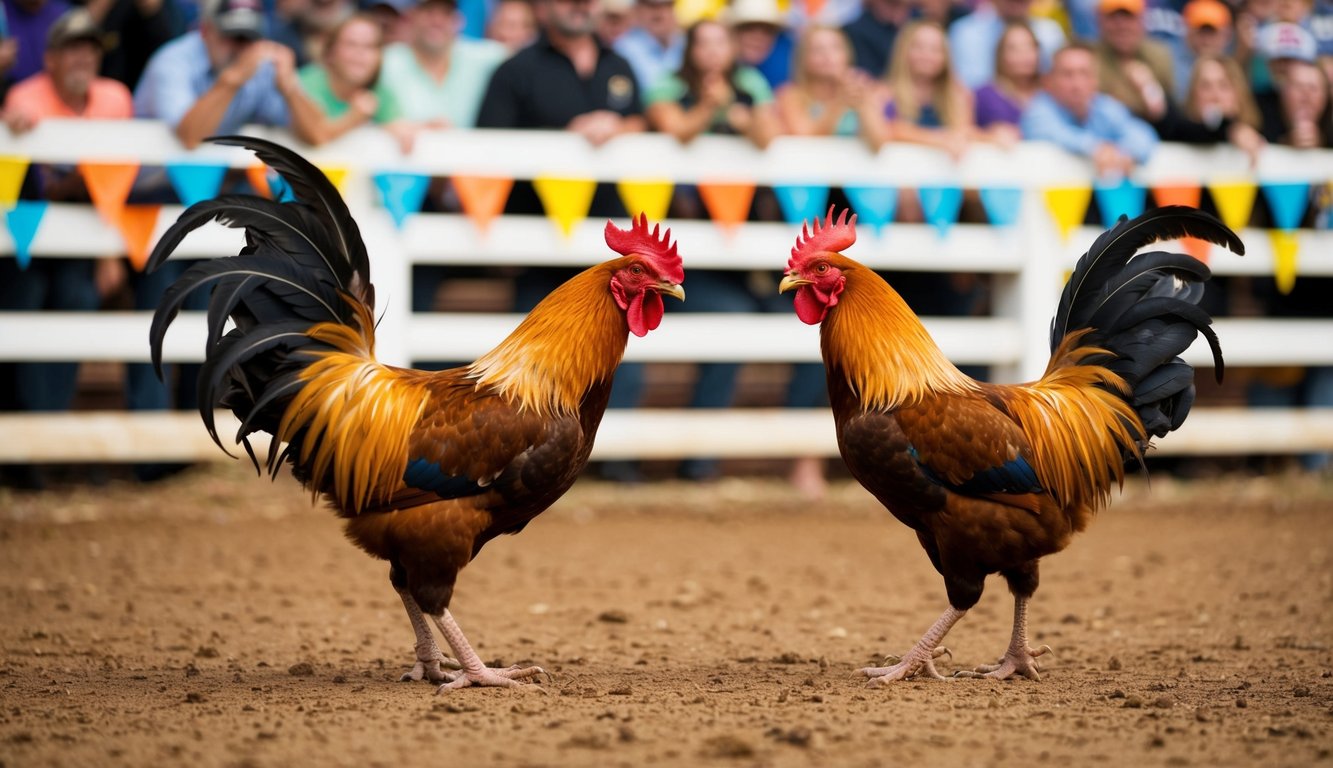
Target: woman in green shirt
345,84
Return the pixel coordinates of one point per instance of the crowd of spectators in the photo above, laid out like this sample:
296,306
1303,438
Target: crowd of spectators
1106,79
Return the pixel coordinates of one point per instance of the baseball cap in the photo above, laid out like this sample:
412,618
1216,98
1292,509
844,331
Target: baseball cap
1133,7
1283,40
1207,13
238,18
397,6
73,25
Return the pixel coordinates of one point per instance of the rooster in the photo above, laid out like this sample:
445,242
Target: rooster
992,478
425,467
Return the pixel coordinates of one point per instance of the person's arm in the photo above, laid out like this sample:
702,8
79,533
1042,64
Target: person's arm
501,106
764,126
1043,121
796,119
202,118
307,121
681,123
1134,137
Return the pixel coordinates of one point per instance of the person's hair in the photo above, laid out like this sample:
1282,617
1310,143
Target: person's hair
336,32
799,75
946,93
1324,120
1074,45
1247,109
689,72
1002,78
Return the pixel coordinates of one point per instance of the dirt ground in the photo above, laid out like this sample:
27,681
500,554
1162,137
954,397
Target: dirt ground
218,620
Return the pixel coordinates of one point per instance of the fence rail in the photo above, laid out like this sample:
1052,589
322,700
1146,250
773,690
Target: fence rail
1028,260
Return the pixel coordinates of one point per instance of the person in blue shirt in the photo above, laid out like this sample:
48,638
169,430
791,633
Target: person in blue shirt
654,44
1071,112
973,38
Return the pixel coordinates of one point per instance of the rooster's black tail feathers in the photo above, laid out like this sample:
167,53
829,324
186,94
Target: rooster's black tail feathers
302,263
1145,310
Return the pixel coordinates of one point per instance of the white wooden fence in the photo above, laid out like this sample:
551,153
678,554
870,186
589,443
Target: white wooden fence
1029,261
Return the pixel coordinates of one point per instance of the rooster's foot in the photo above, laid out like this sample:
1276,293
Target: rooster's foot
487,676
918,662
430,670
1021,663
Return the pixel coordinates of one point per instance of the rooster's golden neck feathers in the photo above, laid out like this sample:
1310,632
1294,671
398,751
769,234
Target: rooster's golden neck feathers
881,347
570,341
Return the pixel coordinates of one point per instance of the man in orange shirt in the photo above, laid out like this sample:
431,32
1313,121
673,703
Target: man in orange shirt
67,87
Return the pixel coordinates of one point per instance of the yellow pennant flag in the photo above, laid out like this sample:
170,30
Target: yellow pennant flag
12,171
1234,201
1285,249
1068,206
651,197
337,175
566,200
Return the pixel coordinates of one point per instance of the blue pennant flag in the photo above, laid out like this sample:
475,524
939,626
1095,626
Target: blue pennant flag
1287,202
1123,198
875,206
1002,205
402,193
195,182
940,205
802,202
23,220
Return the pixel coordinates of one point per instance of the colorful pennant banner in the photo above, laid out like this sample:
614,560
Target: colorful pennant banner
1124,198
1190,195
137,223
566,200
875,206
650,197
1234,201
1068,206
728,203
482,197
940,206
23,219
802,202
337,176
402,194
109,186
195,182
12,171
1002,204
1286,248
1287,202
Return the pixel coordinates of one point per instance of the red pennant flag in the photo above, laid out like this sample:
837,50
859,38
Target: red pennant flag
137,223
482,197
109,186
728,203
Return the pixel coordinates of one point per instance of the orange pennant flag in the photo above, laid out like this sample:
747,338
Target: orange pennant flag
482,197
109,186
1189,195
812,9
728,203
258,177
137,223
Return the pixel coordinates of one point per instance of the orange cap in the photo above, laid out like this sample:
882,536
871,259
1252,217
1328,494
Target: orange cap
1134,7
1207,13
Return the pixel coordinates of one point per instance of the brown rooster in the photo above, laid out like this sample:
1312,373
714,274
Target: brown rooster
992,478
426,467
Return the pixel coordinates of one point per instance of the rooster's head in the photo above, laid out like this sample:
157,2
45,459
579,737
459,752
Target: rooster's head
816,268
650,268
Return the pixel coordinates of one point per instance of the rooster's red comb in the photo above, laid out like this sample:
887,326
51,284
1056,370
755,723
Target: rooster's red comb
830,236
658,249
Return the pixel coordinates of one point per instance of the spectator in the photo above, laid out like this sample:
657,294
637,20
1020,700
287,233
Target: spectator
439,78
974,37
1281,47
1306,122
1208,34
224,76
1218,108
762,41
1133,70
512,25
712,93
29,21
1251,16
827,96
873,33
942,12
925,104
1071,113
614,18
392,15
1000,103
346,83
68,87
9,51
133,31
654,44
315,24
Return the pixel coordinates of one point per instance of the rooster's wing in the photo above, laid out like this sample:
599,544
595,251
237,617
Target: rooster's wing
969,446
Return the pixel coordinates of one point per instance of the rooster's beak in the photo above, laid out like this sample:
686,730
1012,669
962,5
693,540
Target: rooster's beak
672,289
790,281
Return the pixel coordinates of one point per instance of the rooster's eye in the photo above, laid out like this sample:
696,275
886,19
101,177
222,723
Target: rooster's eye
821,268
636,270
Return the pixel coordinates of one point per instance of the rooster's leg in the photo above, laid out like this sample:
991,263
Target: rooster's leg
474,672
1019,658
921,659
429,657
